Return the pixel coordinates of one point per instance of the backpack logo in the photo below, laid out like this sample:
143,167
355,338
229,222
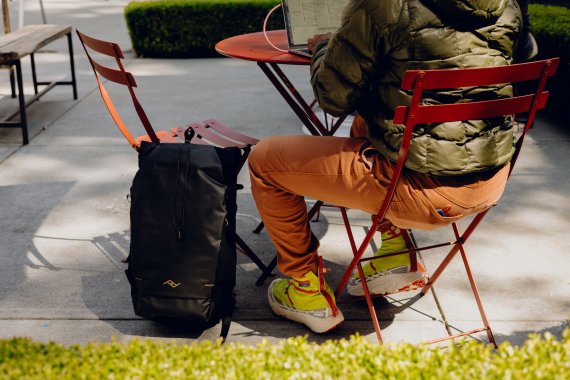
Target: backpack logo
171,283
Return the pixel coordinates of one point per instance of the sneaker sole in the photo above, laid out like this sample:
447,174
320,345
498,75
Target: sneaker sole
390,283
318,325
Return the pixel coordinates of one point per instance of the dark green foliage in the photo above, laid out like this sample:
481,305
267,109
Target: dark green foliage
561,3
551,27
295,358
191,28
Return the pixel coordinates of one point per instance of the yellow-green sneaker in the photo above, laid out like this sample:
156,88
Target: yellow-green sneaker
391,274
308,300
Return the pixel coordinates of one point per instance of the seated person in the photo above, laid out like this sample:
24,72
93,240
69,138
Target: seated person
454,169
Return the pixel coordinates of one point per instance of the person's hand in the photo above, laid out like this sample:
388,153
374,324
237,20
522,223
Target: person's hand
314,41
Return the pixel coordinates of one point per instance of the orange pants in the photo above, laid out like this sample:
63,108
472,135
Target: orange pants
348,172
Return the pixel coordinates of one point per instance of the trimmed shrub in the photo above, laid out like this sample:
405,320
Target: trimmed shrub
295,358
561,3
191,28
551,27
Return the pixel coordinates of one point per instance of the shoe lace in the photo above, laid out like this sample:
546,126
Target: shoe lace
388,230
294,283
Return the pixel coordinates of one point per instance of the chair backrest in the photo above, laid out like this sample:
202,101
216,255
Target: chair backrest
417,113
120,76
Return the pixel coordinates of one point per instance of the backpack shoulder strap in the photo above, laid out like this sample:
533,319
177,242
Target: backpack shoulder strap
227,317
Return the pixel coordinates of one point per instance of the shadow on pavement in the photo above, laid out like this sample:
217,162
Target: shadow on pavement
102,292
518,338
19,223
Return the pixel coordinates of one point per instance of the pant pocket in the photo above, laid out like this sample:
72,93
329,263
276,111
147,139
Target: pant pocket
436,214
415,211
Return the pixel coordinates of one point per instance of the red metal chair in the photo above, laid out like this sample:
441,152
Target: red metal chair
210,132
417,113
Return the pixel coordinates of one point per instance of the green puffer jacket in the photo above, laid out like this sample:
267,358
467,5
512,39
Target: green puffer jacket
362,66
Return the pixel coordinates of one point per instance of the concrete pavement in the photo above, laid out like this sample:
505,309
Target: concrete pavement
65,228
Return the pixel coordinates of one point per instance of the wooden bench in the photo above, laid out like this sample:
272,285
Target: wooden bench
15,45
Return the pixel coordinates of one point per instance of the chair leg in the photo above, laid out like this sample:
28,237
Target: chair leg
357,256
348,230
34,75
459,247
460,240
475,290
72,65
266,273
433,278
12,82
22,102
410,242
476,294
317,217
259,228
249,253
370,303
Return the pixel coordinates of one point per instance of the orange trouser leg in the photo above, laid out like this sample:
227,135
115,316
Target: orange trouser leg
338,171
284,169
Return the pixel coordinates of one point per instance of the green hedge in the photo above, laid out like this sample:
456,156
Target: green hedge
551,27
191,28
561,3
295,358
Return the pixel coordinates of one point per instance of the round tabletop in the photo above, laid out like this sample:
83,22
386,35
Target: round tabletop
254,47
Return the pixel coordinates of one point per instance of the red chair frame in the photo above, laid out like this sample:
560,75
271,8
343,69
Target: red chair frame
417,113
209,132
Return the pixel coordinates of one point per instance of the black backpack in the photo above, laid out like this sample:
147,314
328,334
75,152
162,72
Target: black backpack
182,261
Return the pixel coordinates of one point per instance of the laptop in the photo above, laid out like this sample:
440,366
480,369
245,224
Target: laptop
305,18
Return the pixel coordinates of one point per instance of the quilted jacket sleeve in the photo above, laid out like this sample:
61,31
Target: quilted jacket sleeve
342,71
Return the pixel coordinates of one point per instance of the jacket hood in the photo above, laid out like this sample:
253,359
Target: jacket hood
475,11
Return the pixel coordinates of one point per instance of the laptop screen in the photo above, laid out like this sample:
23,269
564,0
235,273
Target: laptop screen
305,18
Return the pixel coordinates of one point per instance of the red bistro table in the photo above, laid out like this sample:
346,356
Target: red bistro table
254,47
